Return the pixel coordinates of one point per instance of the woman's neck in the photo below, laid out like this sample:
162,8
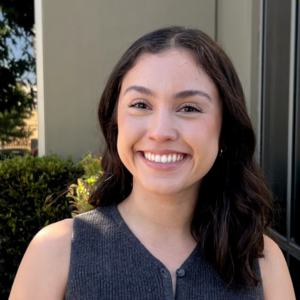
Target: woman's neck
156,213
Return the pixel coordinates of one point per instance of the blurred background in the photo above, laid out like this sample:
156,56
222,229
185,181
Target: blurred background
55,57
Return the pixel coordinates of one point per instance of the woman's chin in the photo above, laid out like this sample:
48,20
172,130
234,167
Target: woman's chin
162,190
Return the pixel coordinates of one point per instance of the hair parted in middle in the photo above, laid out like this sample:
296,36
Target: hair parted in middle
234,207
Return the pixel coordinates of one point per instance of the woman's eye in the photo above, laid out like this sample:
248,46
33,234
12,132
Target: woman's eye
191,108
140,105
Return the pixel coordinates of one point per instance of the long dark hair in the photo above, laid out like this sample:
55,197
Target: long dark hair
235,205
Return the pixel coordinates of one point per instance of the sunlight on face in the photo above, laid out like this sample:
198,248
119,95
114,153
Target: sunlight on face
169,122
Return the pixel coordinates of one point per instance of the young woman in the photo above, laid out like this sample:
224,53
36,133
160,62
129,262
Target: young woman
182,206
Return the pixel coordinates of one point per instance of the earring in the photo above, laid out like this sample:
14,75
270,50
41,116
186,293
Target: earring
222,151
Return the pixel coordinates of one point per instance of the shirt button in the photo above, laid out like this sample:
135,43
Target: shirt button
180,273
163,272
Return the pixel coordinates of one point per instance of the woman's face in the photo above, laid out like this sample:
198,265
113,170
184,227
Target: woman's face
169,122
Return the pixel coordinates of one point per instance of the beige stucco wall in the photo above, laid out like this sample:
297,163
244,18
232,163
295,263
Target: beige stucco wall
234,34
238,30
82,40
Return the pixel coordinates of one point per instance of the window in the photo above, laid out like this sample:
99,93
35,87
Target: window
280,132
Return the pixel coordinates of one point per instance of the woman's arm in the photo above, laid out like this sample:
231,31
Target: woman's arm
44,269
277,283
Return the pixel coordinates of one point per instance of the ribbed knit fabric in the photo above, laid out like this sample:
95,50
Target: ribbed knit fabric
109,263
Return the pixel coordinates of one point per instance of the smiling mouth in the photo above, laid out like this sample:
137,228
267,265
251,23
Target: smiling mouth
165,158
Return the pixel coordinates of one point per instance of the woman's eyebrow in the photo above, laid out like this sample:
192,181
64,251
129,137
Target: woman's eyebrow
140,89
190,93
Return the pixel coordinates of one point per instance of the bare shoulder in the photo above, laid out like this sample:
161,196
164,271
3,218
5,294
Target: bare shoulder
275,275
44,269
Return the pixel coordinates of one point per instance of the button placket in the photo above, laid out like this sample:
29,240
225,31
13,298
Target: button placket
164,272
167,283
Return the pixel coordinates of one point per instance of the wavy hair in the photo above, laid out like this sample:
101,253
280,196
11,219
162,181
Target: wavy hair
234,207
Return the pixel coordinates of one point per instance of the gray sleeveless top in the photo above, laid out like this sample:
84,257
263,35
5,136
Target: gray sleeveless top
109,263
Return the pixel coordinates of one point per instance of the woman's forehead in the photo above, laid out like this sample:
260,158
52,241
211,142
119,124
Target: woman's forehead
170,69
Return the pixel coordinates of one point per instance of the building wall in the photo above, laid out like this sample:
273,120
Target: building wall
81,42
238,30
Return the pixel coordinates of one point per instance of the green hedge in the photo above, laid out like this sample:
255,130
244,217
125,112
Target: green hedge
32,195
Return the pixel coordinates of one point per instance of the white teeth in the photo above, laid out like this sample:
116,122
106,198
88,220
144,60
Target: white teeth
166,158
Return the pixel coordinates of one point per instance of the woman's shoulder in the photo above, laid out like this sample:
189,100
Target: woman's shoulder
54,237
55,231
275,276
43,272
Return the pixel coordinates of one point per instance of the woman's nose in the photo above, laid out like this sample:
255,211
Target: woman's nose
162,128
